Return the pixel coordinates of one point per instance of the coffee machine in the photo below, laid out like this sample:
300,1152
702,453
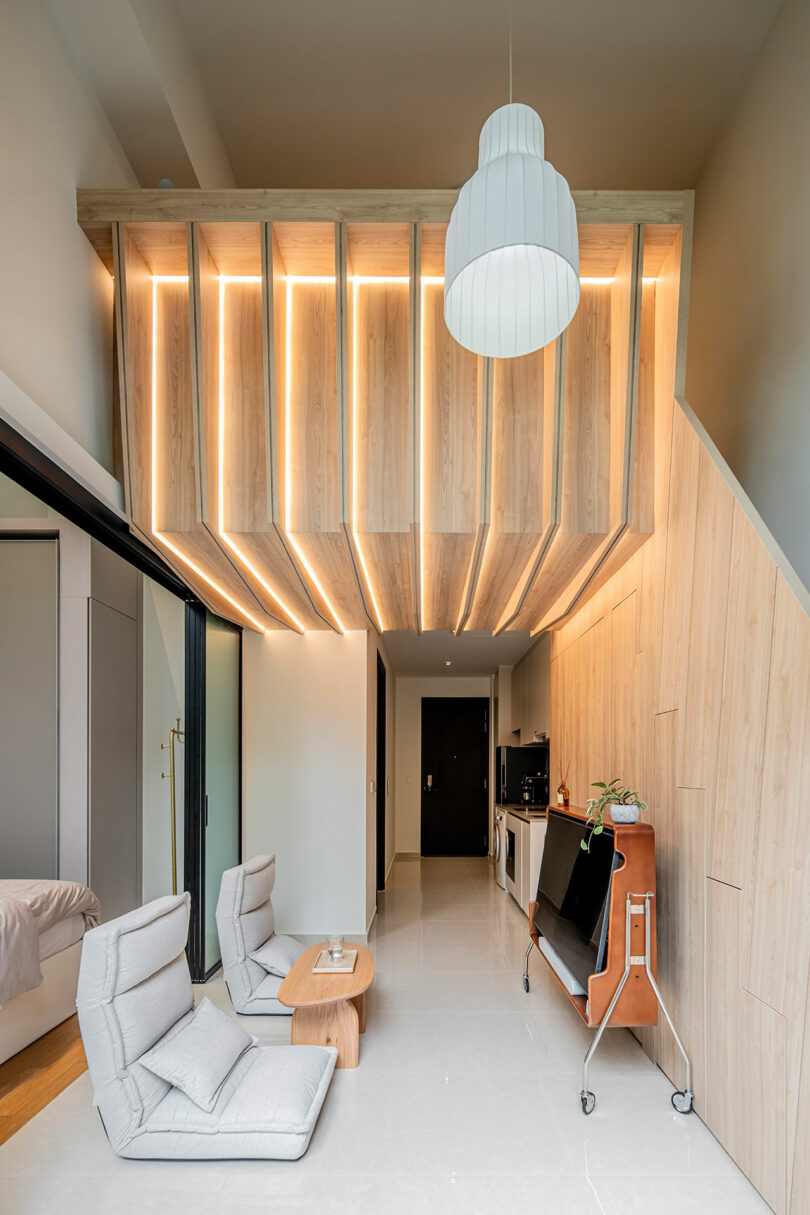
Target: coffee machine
534,790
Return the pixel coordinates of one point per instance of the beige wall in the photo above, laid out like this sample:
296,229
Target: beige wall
55,295
409,693
304,725
748,365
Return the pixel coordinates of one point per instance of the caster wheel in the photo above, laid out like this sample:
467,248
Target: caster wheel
682,1102
525,982
588,1102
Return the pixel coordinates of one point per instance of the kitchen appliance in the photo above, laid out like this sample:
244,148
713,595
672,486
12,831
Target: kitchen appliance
514,827
534,790
525,838
500,847
512,764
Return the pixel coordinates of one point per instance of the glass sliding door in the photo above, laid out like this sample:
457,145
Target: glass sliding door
213,774
222,820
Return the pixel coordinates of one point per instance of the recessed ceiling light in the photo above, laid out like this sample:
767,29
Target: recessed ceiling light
447,662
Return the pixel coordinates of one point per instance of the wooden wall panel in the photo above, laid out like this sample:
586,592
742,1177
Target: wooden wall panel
744,701
745,1080
720,681
707,629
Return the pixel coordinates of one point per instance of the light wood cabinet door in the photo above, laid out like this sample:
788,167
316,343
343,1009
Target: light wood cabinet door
539,692
519,698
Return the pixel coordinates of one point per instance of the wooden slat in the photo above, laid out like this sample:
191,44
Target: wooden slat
680,558
625,339
484,495
585,513
409,206
451,416
381,444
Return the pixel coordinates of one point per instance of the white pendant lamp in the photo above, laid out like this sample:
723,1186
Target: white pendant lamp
511,260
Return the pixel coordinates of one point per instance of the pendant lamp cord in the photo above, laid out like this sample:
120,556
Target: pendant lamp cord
509,12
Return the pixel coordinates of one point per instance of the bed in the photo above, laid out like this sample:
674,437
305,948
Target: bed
41,928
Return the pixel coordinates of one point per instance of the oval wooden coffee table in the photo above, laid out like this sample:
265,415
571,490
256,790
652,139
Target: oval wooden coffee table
330,1010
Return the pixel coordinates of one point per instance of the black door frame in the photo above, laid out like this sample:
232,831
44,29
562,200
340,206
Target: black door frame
382,705
196,799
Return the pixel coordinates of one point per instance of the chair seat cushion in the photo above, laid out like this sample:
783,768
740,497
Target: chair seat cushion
267,1108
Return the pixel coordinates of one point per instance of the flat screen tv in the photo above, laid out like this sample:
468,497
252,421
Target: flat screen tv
573,894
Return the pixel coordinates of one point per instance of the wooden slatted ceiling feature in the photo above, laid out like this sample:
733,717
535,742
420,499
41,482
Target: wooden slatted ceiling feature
162,438
451,403
623,360
585,500
315,510
520,471
380,427
370,467
239,476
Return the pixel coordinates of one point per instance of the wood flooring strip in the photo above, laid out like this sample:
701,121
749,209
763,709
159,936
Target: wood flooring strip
31,1079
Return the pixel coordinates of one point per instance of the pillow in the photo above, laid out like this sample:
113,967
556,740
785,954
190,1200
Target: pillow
199,1058
278,955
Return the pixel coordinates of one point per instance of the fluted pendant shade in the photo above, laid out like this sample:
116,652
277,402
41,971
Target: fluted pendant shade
511,261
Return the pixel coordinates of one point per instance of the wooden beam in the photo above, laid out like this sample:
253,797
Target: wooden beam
97,207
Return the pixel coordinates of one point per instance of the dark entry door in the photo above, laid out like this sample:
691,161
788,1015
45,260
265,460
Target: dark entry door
455,772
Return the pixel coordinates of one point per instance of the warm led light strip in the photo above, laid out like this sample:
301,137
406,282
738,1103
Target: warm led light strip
178,278
601,282
355,430
426,280
232,545
291,279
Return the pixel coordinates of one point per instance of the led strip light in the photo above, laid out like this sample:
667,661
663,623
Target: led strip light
179,278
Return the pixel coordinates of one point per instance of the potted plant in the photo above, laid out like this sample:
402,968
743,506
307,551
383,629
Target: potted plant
625,807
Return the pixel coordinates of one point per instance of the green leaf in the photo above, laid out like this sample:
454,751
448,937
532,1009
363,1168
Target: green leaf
583,845
598,830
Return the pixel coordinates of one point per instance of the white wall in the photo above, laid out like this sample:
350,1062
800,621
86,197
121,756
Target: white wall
304,722
748,364
163,640
55,295
408,744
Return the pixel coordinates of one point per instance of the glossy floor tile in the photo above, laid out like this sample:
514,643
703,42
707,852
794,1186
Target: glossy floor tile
466,1098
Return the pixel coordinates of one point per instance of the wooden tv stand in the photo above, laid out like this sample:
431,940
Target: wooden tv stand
637,1005
626,992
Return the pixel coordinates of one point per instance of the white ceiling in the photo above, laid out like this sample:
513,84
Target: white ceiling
469,654
392,93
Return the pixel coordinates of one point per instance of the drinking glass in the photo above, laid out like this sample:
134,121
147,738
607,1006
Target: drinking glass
335,949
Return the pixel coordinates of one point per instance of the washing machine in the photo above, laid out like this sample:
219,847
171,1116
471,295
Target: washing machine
500,846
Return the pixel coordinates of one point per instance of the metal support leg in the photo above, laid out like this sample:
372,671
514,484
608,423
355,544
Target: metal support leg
526,967
586,1097
681,1099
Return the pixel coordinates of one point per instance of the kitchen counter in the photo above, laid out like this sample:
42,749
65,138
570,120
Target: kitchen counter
529,814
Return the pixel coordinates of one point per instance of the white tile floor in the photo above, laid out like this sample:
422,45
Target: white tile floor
466,1098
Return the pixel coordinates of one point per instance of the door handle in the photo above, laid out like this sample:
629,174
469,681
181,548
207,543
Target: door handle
430,787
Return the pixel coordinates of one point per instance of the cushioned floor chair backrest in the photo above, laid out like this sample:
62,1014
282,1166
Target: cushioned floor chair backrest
244,922
134,985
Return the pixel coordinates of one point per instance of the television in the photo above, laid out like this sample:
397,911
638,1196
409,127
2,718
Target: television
573,893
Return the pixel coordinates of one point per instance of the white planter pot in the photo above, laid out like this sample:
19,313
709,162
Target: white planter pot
624,814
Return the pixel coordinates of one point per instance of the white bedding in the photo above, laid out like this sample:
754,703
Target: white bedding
61,935
28,908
